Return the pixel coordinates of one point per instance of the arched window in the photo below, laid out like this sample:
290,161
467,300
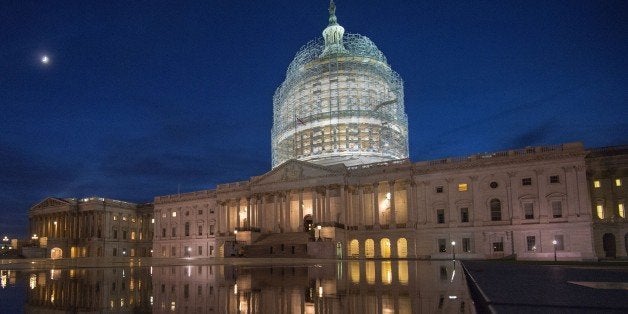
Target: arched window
385,247
187,229
402,248
354,248
369,248
496,210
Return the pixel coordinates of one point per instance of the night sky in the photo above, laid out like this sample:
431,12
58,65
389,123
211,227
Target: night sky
139,98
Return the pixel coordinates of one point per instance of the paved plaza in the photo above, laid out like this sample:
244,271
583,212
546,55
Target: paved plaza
511,287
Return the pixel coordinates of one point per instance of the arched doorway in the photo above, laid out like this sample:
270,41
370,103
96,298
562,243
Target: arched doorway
608,241
56,253
354,249
369,248
385,247
402,248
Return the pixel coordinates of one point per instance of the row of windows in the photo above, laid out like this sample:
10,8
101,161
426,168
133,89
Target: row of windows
164,214
187,230
463,187
599,208
558,243
187,251
597,184
466,245
496,211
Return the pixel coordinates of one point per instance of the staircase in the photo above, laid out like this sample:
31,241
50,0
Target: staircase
291,244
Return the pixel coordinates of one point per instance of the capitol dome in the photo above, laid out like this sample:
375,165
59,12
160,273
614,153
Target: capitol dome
340,103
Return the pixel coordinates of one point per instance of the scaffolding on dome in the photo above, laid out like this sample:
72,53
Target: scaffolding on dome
344,106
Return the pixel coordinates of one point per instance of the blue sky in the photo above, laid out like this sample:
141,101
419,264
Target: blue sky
142,97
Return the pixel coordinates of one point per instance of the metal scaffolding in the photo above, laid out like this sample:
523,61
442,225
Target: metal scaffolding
340,103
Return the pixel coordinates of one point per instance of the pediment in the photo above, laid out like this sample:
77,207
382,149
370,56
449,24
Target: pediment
295,170
50,202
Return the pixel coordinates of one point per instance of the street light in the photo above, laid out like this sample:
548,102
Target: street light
319,232
554,242
453,248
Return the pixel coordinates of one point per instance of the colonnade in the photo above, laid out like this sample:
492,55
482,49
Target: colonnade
357,207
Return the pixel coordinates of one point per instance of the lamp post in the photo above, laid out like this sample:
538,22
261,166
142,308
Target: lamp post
453,248
554,242
319,232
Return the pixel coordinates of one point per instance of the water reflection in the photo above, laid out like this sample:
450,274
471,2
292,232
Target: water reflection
343,287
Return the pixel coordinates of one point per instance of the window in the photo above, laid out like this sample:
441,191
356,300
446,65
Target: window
133,220
211,210
439,189
440,216
526,181
597,184
464,214
174,231
557,209
528,210
442,245
493,185
187,229
462,187
498,246
115,217
187,213
115,233
200,211
554,179
152,220
200,250
466,244
531,242
123,218
620,210
443,273
115,252
132,235
163,232
211,229
560,242
617,182
600,211
173,251
174,214
496,210
163,215
200,230
123,234
211,250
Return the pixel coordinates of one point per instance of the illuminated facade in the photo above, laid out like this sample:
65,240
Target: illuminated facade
92,227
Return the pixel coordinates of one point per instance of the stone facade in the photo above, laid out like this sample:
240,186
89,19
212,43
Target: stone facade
607,170
92,227
491,205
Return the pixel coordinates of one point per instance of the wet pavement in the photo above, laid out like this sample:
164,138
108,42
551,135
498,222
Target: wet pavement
510,287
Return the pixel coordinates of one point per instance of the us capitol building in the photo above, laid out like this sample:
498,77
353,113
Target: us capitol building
342,186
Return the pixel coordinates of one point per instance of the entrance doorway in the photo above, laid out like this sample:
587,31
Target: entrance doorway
608,241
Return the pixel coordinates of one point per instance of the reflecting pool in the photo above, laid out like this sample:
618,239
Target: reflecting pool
396,286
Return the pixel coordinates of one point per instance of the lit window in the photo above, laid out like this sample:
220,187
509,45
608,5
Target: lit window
115,217
600,211
620,209
617,182
152,220
174,214
132,235
163,215
133,220
123,218
597,184
462,187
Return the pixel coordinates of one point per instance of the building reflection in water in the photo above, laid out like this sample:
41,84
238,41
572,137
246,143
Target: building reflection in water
396,286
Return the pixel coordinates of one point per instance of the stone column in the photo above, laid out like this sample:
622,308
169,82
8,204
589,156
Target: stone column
315,216
288,210
228,218
274,214
344,209
375,206
360,211
393,215
327,214
238,222
300,209
262,212
410,194
248,212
